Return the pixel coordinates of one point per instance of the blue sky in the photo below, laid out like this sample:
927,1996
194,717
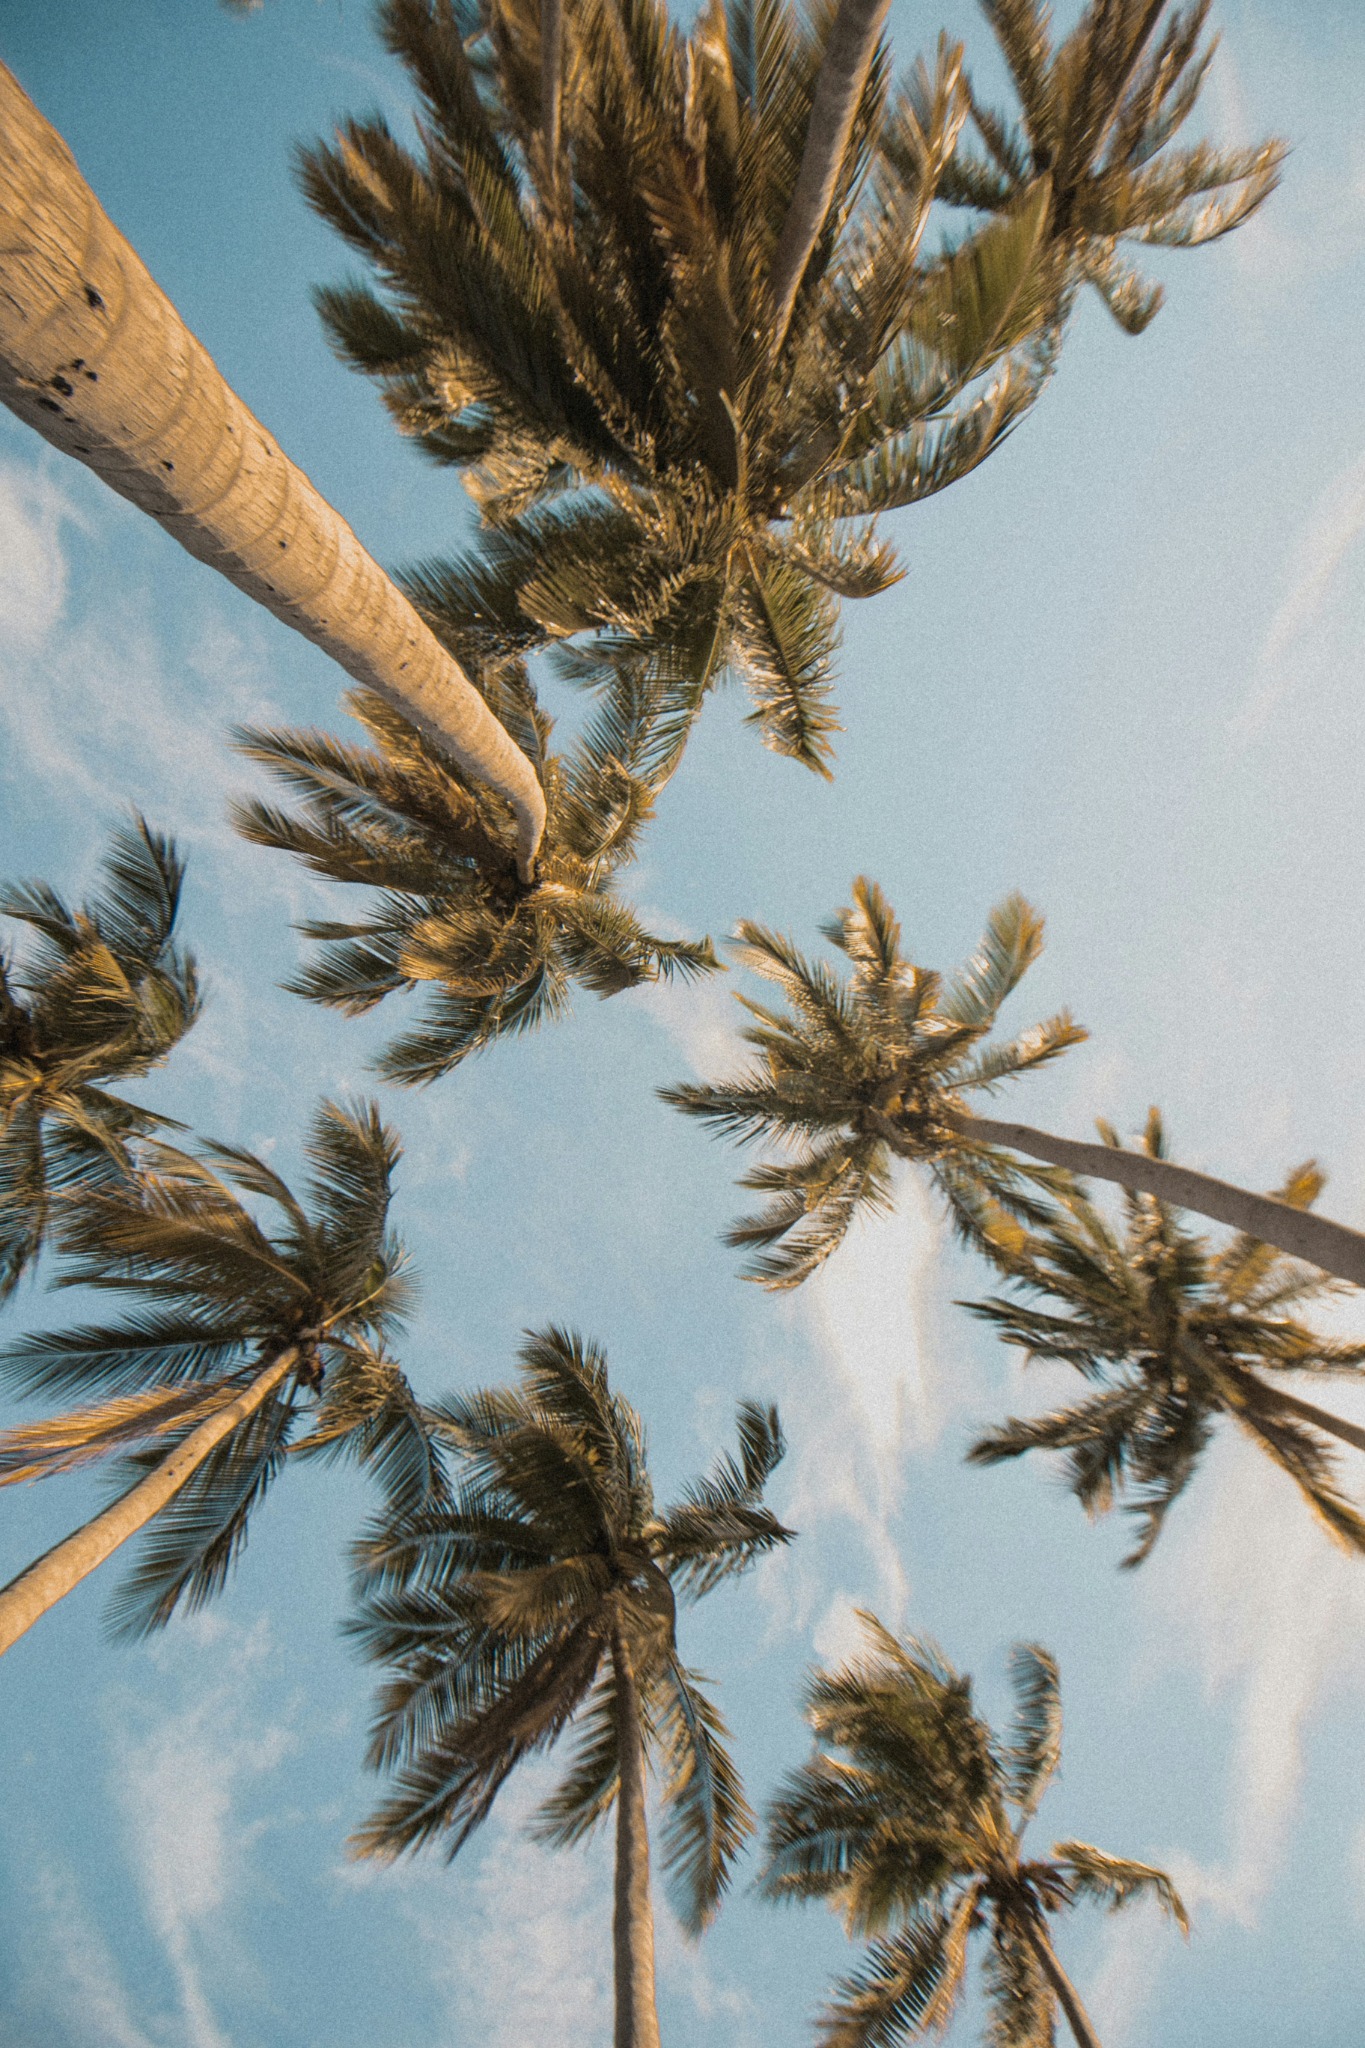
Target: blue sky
1122,674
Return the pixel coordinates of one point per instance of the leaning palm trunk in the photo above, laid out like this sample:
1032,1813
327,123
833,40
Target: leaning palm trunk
1299,1232
94,355
637,2019
844,68
59,1570
1063,1989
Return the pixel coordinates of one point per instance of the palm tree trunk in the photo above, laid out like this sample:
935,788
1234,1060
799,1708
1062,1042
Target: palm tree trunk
839,89
1308,1411
1316,1239
1065,1992
52,1576
94,355
632,1927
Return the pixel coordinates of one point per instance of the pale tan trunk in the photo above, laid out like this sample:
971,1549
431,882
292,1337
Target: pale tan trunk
637,2019
52,1576
839,89
1063,1989
1308,1411
94,355
1300,1233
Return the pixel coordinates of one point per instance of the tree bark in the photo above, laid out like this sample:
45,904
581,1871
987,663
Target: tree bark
94,355
52,1576
1065,1992
632,1927
1308,1411
839,89
1299,1232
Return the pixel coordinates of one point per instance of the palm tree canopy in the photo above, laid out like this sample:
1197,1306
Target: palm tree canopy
909,1819
865,1068
678,476
1098,113
102,994
1172,1334
214,1294
499,955
500,1616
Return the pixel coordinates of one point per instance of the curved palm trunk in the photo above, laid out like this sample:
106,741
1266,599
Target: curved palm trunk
843,74
52,1576
1308,1411
94,355
1316,1239
1064,1991
632,1926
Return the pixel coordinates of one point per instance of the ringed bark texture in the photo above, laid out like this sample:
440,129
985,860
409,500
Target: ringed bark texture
1299,1232
59,1570
632,1927
96,358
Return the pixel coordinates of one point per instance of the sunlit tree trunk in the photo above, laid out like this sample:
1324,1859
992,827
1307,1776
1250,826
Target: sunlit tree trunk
1063,1989
844,69
637,2020
51,1577
1300,1233
94,355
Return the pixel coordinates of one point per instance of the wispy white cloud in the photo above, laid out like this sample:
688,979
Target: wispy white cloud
178,1780
1312,576
1136,1943
1254,1596
72,1986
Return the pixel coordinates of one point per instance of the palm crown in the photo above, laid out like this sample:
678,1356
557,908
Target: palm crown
546,1595
1098,113
103,995
909,1818
859,1071
1172,1334
679,475
452,915
215,1295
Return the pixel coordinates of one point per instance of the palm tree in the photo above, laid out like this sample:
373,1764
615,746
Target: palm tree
452,912
103,995
1173,1335
1098,114
686,370
96,358
875,1067
909,1819
544,1595
230,1332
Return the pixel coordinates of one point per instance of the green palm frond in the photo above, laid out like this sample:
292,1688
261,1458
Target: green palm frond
495,957
900,1820
1172,1333
503,1613
871,1067
102,993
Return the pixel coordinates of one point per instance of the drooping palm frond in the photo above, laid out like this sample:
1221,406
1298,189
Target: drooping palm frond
862,1070
908,1819
1172,1334
1099,112
503,1614
215,1294
663,441
102,993
450,914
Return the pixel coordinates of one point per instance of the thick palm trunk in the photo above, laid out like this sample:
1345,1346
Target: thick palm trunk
94,355
1065,1992
632,1927
1316,1239
839,89
51,1577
